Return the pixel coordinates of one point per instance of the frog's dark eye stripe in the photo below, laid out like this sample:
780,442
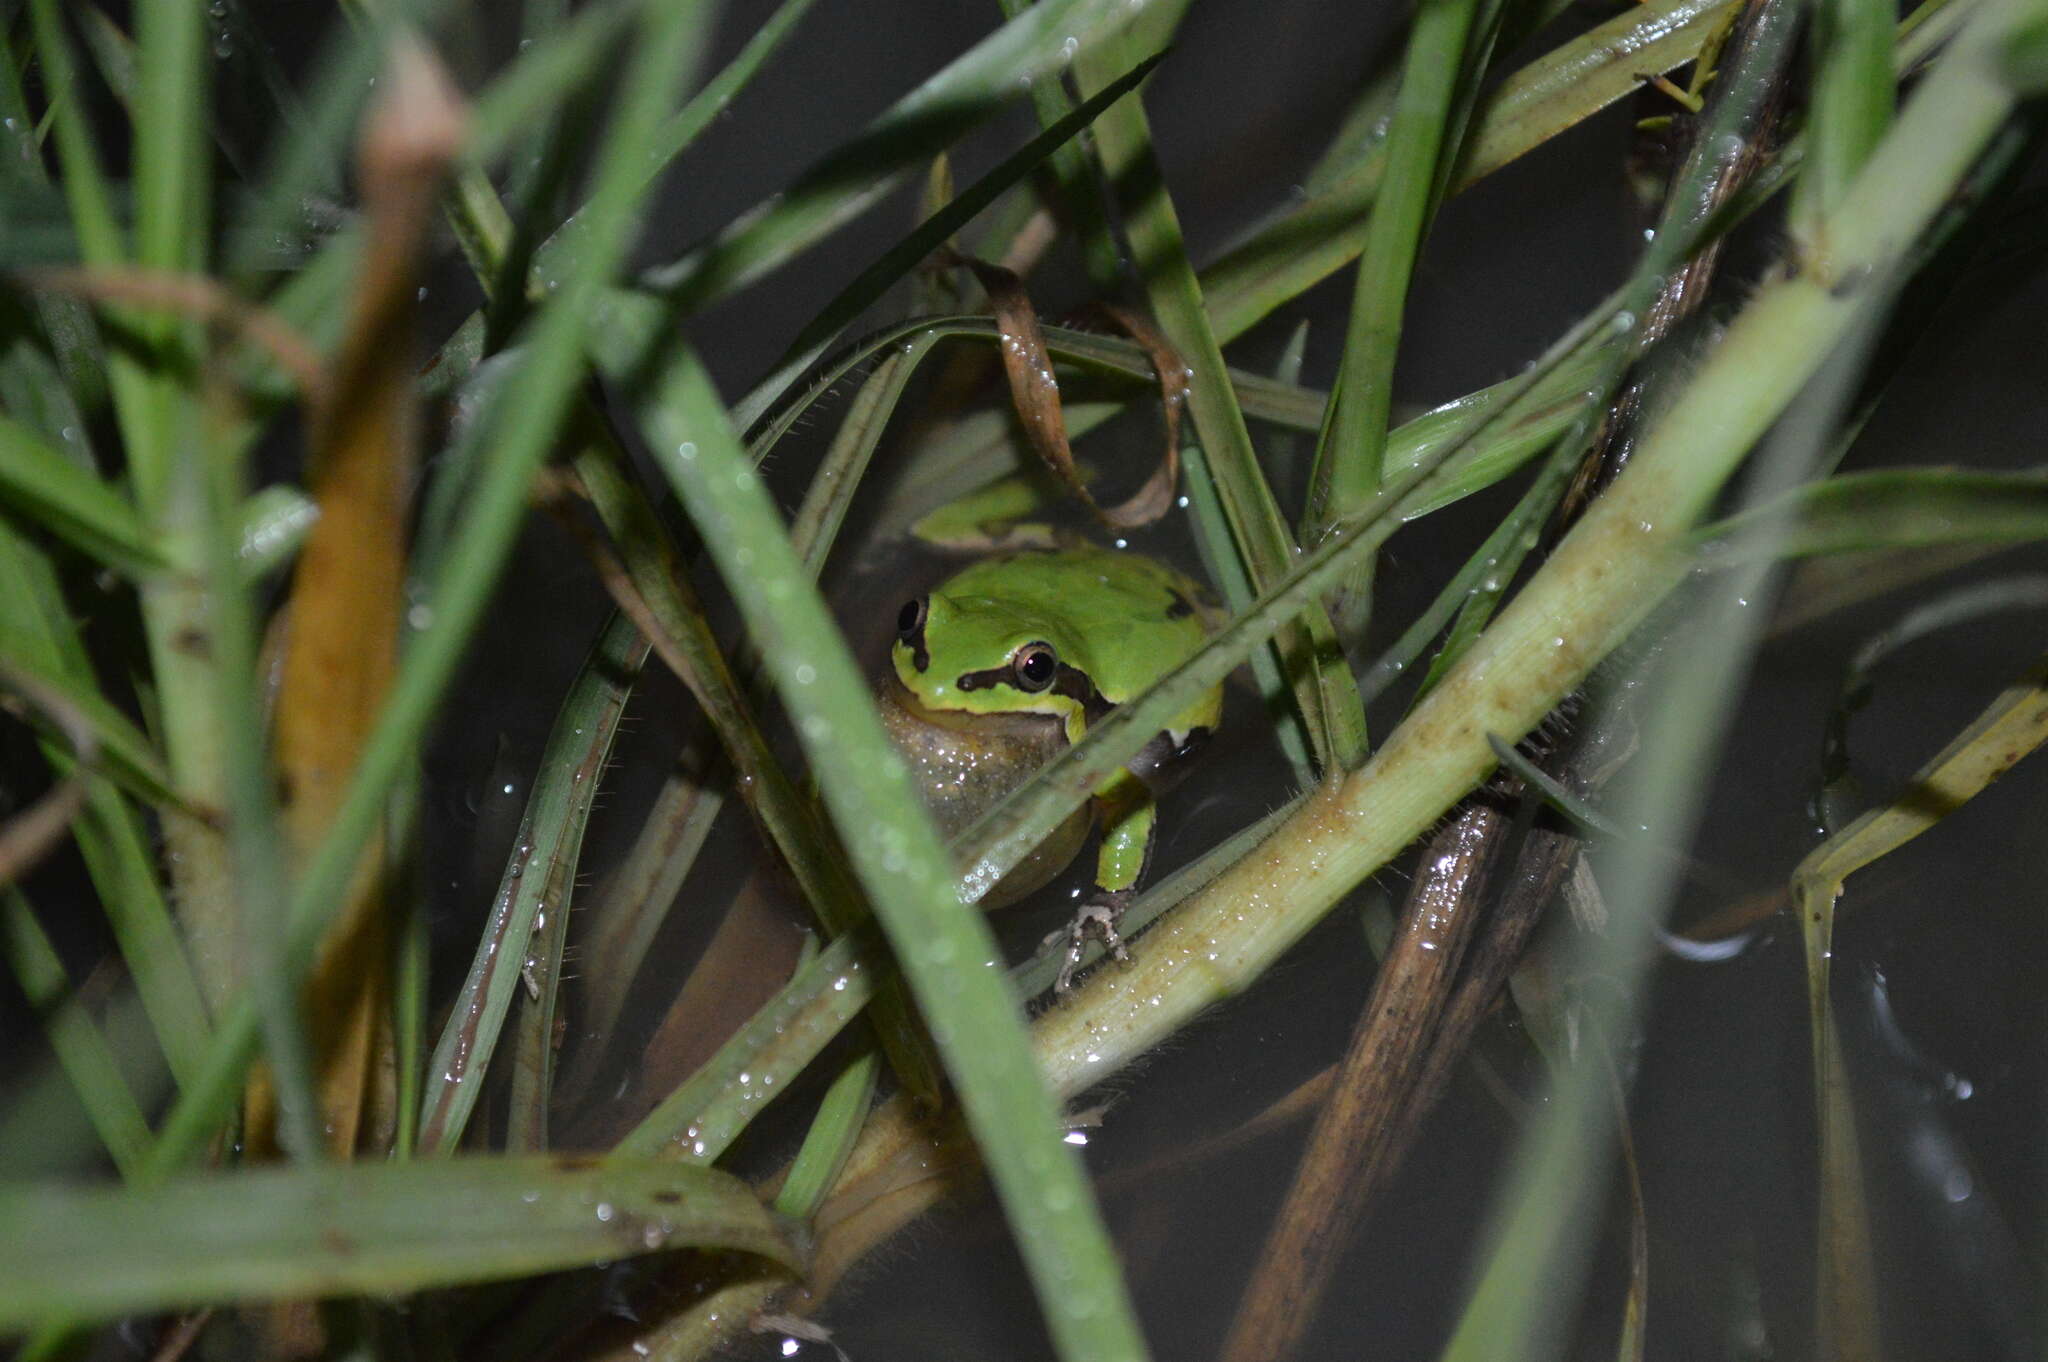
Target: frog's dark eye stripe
1035,666
910,629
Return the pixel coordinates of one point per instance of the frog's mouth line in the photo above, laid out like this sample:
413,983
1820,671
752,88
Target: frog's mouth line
1022,727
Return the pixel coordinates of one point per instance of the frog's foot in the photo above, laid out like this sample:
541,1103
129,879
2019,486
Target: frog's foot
1099,916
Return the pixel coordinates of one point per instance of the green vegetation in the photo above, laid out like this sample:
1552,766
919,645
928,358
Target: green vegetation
257,1083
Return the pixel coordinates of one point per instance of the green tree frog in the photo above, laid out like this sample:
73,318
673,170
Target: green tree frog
1011,660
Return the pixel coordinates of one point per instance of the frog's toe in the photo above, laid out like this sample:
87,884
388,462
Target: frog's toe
1099,916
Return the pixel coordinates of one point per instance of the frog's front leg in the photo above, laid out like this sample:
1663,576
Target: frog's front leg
1129,817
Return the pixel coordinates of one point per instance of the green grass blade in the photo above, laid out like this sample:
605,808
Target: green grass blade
971,1012
56,493
1892,509
309,161
1324,232
1234,585
906,255
1035,46
683,127
353,1229
83,179
274,523
544,75
73,1035
1347,463
171,168
1324,689
829,1140
535,883
683,632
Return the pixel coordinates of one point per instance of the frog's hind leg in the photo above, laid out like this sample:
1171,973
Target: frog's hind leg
1129,818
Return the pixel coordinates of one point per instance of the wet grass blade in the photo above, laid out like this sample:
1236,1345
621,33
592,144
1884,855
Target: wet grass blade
535,883
668,611
699,1120
971,1012
361,1229
616,659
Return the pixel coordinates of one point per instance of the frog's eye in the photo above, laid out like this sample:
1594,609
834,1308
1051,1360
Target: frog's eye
910,619
1035,666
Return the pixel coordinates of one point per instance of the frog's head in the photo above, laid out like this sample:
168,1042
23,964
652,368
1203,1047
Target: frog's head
972,655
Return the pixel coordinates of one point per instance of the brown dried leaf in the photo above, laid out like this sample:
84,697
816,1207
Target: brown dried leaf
348,586
1035,393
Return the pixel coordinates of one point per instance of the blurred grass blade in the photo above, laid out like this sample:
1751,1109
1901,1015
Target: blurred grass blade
545,75
275,521
913,250
1848,108
73,1034
682,128
121,750
38,635
1324,689
347,1230
910,879
543,859
1892,509
54,491
520,431
1036,45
